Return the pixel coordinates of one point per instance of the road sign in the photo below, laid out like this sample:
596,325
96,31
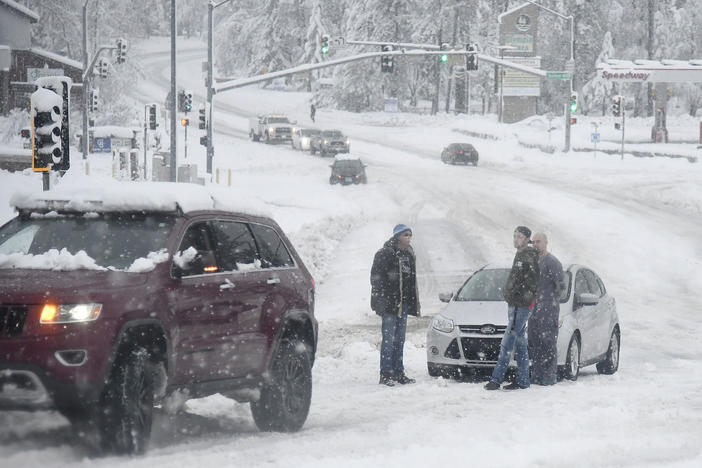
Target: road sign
558,75
102,145
594,137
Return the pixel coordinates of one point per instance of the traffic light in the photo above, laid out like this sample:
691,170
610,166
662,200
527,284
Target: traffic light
102,66
203,140
47,114
444,57
202,121
152,117
471,56
185,122
617,106
188,101
25,133
573,102
181,101
386,62
324,40
121,50
94,100
573,120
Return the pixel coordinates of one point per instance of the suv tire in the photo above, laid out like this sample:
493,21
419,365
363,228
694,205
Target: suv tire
128,405
285,399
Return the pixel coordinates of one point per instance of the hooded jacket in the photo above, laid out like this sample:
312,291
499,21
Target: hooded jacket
523,280
387,282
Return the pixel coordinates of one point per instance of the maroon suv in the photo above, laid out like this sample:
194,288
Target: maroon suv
106,310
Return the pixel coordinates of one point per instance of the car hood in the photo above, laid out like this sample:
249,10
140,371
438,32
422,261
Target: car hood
476,312
25,285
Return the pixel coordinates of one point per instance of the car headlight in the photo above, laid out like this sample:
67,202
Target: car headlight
70,313
347,141
271,130
442,324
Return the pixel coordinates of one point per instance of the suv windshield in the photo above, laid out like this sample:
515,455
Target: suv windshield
112,240
332,134
278,120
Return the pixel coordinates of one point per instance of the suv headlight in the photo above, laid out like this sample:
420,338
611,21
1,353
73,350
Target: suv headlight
70,313
442,324
271,130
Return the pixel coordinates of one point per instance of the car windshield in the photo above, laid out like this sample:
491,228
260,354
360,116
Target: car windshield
332,134
347,164
278,120
484,285
309,132
487,285
114,240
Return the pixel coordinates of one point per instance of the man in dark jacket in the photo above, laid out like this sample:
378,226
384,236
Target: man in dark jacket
393,297
543,322
520,293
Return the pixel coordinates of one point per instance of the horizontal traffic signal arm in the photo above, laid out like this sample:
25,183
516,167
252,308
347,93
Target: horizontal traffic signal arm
225,85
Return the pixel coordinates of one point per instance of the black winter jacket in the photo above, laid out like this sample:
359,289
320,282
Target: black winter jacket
523,280
387,282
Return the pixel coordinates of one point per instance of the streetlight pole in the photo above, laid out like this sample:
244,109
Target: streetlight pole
211,5
570,65
86,82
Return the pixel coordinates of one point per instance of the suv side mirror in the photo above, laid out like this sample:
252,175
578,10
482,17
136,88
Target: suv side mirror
445,297
587,299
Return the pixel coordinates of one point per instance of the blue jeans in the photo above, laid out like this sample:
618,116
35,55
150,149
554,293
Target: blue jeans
393,343
514,338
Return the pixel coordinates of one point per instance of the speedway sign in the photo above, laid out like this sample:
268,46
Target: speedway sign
651,71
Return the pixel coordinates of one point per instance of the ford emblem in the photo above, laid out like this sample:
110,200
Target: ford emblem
488,329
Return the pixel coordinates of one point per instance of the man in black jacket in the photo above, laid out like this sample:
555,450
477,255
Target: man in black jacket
393,297
520,294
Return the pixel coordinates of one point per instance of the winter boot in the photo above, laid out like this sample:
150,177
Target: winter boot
386,379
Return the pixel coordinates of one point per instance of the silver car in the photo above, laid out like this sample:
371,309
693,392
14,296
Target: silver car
465,337
301,138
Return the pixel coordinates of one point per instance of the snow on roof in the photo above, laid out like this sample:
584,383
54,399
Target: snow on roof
59,58
22,9
107,195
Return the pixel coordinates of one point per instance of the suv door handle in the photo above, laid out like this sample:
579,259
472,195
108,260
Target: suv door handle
273,280
226,285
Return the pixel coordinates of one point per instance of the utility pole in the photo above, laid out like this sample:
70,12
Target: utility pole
174,97
86,82
437,77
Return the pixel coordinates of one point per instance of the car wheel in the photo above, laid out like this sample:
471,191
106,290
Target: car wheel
434,370
268,139
285,399
572,366
128,405
312,150
611,361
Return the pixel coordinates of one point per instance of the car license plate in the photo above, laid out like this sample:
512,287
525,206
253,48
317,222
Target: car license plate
348,179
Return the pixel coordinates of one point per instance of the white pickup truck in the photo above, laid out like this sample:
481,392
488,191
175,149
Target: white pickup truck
270,128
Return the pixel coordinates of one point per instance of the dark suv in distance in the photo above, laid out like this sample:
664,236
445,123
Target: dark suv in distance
463,153
346,171
106,309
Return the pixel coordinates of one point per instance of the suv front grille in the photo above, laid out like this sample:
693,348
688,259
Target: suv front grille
12,320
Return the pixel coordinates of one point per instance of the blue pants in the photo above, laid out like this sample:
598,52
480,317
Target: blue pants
392,346
514,338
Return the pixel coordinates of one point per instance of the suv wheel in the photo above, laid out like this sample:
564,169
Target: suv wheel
611,362
285,399
128,405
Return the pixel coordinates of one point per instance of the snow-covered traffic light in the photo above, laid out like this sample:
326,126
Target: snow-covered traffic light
444,57
185,122
324,41
617,106
471,56
47,113
152,117
102,68
202,120
187,101
386,63
94,100
573,102
121,50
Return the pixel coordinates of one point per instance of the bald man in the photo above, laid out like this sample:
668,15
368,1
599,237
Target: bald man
543,321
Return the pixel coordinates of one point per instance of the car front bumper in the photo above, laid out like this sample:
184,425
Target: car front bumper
463,349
